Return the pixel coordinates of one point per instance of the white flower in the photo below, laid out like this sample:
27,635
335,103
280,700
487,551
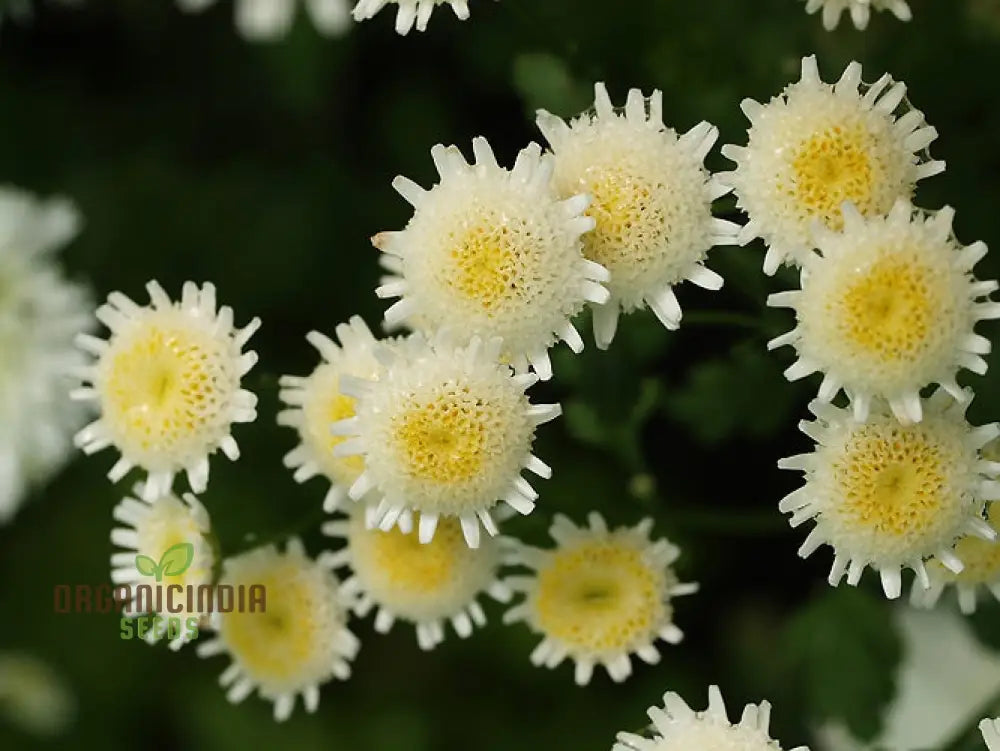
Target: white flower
33,696
297,643
859,10
817,145
680,728
599,597
411,13
168,385
888,495
889,308
651,200
426,584
40,313
152,529
445,430
493,253
316,402
991,733
264,20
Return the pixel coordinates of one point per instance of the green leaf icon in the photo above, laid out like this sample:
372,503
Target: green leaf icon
176,559
146,565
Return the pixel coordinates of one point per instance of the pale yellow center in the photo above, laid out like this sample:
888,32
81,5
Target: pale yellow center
981,558
621,207
164,386
832,167
320,413
890,309
894,482
485,265
444,440
600,597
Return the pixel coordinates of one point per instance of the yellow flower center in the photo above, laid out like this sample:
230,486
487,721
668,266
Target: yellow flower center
164,386
169,524
891,308
832,167
623,209
486,267
283,642
325,408
600,597
444,440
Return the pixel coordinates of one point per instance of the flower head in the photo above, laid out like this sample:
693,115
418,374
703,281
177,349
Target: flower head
426,584
599,597
859,10
411,13
680,728
445,430
266,20
153,529
818,145
167,382
888,495
299,641
889,308
40,314
651,201
493,253
316,402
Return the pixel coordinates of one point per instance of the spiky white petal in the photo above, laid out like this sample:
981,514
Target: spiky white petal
888,308
858,10
300,640
817,145
600,597
888,495
651,200
167,382
411,13
678,727
990,728
492,252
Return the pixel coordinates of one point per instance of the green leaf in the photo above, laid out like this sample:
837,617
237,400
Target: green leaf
177,558
844,653
146,565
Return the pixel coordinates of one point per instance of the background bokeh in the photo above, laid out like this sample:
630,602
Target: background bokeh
264,168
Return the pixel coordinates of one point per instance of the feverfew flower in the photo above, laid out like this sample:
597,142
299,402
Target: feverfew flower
991,733
817,145
411,12
859,10
599,597
152,529
316,402
425,584
40,313
888,495
445,430
651,199
493,253
266,20
889,308
298,642
167,381
680,728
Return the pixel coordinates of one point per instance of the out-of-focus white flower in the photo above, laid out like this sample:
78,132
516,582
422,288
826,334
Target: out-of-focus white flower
651,199
859,10
265,20
411,13
40,314
33,696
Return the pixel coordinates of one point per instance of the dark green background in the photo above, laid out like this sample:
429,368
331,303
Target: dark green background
264,168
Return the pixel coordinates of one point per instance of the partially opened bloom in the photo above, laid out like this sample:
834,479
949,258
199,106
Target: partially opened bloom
40,314
859,10
152,530
889,308
599,597
167,382
316,402
888,495
817,145
680,728
411,13
991,733
445,430
651,199
426,584
492,252
298,642
265,20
